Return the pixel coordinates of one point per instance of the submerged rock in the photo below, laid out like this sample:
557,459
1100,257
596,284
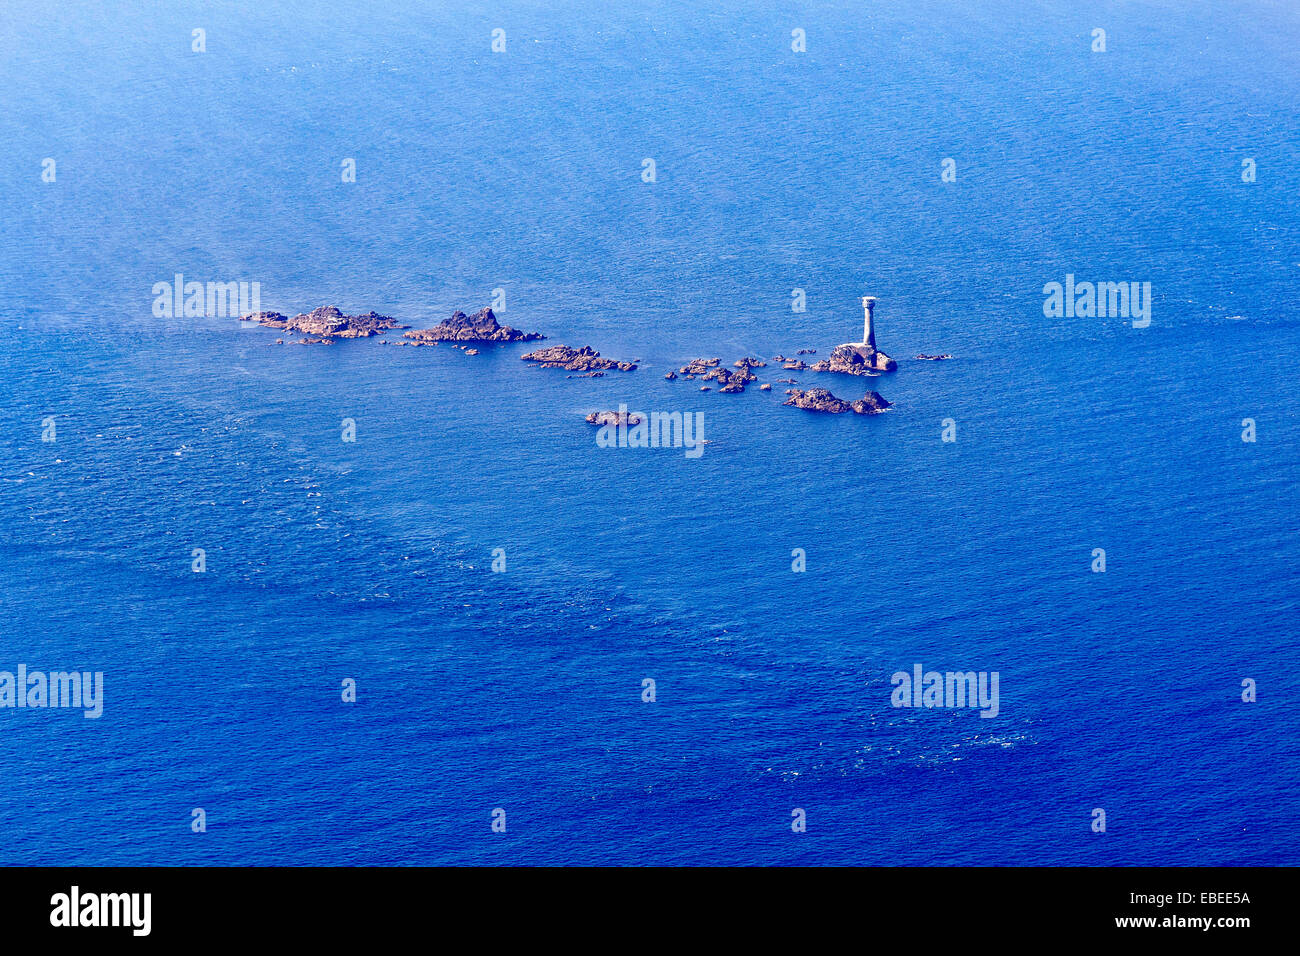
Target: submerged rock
853,359
482,326
327,322
584,359
821,400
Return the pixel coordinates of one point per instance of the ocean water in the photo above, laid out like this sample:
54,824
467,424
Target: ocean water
521,690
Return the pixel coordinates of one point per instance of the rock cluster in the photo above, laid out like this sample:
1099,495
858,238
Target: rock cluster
856,360
711,370
324,325
821,400
584,359
699,366
482,326
327,323
628,419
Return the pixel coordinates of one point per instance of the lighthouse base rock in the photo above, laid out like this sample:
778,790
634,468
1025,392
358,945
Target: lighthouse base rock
856,359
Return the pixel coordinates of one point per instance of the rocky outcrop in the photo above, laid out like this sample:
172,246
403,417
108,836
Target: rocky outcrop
872,403
482,326
327,323
737,380
699,367
856,360
614,418
584,359
821,400
711,370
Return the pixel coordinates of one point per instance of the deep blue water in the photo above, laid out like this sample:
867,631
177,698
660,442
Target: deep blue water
821,170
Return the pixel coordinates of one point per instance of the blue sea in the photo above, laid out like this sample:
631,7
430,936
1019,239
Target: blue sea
775,170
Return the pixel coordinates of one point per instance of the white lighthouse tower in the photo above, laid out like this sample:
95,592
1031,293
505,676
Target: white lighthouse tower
868,330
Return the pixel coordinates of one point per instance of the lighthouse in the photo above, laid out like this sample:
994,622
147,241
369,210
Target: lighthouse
868,330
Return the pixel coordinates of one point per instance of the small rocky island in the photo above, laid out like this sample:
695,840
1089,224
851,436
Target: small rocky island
821,400
584,359
859,358
326,324
482,326
627,419
711,370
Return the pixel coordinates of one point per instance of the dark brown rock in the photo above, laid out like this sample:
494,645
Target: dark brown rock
614,418
584,359
327,322
482,326
699,366
854,359
821,400
710,369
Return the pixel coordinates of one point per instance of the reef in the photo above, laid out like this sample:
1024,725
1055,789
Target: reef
856,359
584,359
326,323
614,418
482,326
821,400
711,370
